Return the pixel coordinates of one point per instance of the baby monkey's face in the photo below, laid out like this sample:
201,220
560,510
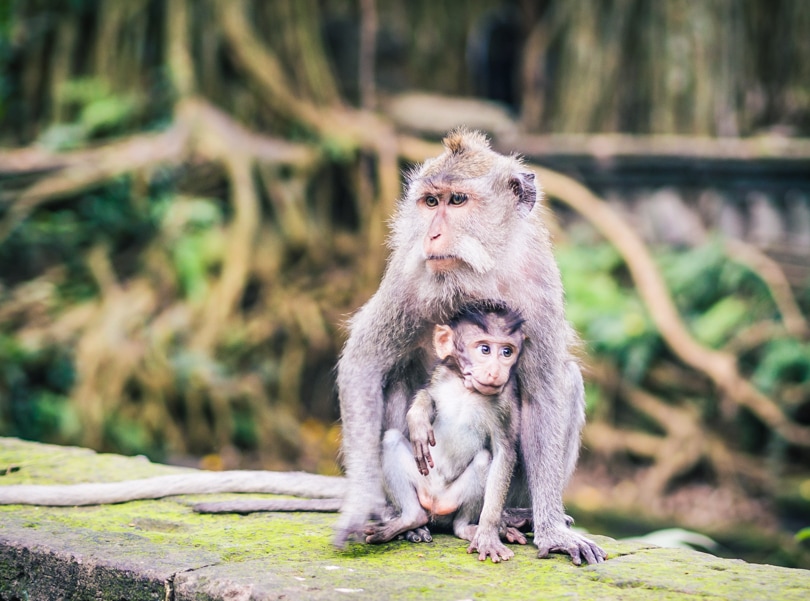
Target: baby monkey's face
490,358
484,357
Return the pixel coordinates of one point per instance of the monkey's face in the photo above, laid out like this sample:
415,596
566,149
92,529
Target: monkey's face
484,359
462,210
443,211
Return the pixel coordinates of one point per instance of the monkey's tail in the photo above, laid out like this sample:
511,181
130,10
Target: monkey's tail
251,506
299,484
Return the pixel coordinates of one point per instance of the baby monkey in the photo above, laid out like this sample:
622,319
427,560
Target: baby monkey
469,414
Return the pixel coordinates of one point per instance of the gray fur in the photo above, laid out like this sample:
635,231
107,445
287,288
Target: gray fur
507,257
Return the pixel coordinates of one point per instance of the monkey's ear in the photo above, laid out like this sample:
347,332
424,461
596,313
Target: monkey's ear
443,341
525,190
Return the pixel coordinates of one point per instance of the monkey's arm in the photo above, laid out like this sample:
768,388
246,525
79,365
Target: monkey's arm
420,427
367,399
553,433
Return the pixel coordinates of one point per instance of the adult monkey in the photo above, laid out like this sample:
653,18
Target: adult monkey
466,229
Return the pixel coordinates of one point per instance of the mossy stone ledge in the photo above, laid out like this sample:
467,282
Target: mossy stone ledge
162,550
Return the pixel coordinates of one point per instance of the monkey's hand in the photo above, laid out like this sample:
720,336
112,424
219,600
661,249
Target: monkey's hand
422,438
488,544
564,540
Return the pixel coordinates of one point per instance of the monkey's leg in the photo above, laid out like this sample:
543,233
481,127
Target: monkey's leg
465,495
400,475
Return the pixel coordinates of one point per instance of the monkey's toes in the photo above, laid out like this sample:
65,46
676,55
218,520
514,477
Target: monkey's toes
376,536
419,535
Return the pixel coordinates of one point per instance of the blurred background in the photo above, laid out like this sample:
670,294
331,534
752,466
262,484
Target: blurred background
194,195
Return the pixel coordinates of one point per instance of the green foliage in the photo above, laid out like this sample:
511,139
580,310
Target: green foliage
192,227
609,316
60,238
720,321
33,393
129,436
717,298
783,360
695,276
5,55
98,112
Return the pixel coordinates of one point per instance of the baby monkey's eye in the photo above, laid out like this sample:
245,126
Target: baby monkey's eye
507,351
431,201
484,348
457,198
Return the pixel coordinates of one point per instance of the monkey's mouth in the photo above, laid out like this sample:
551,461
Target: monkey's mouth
486,389
442,262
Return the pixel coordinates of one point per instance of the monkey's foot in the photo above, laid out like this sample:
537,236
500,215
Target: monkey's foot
563,540
356,511
488,544
350,526
386,531
419,535
519,518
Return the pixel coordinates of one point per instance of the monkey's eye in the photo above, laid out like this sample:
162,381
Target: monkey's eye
431,201
507,352
457,198
484,349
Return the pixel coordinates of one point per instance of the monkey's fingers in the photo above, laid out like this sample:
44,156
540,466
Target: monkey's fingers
423,458
421,466
497,552
513,535
431,440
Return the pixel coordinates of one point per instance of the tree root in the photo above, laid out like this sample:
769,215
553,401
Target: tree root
720,366
778,285
201,130
683,446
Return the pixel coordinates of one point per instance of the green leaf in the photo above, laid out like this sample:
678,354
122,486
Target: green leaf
724,317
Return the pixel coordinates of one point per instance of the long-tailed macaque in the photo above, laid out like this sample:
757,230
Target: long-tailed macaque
469,413
467,229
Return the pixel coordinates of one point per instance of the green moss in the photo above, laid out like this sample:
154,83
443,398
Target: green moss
292,552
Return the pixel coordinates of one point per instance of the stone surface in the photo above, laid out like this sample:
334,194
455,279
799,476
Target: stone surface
162,550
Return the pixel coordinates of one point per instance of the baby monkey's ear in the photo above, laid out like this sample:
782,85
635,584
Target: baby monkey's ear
443,342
